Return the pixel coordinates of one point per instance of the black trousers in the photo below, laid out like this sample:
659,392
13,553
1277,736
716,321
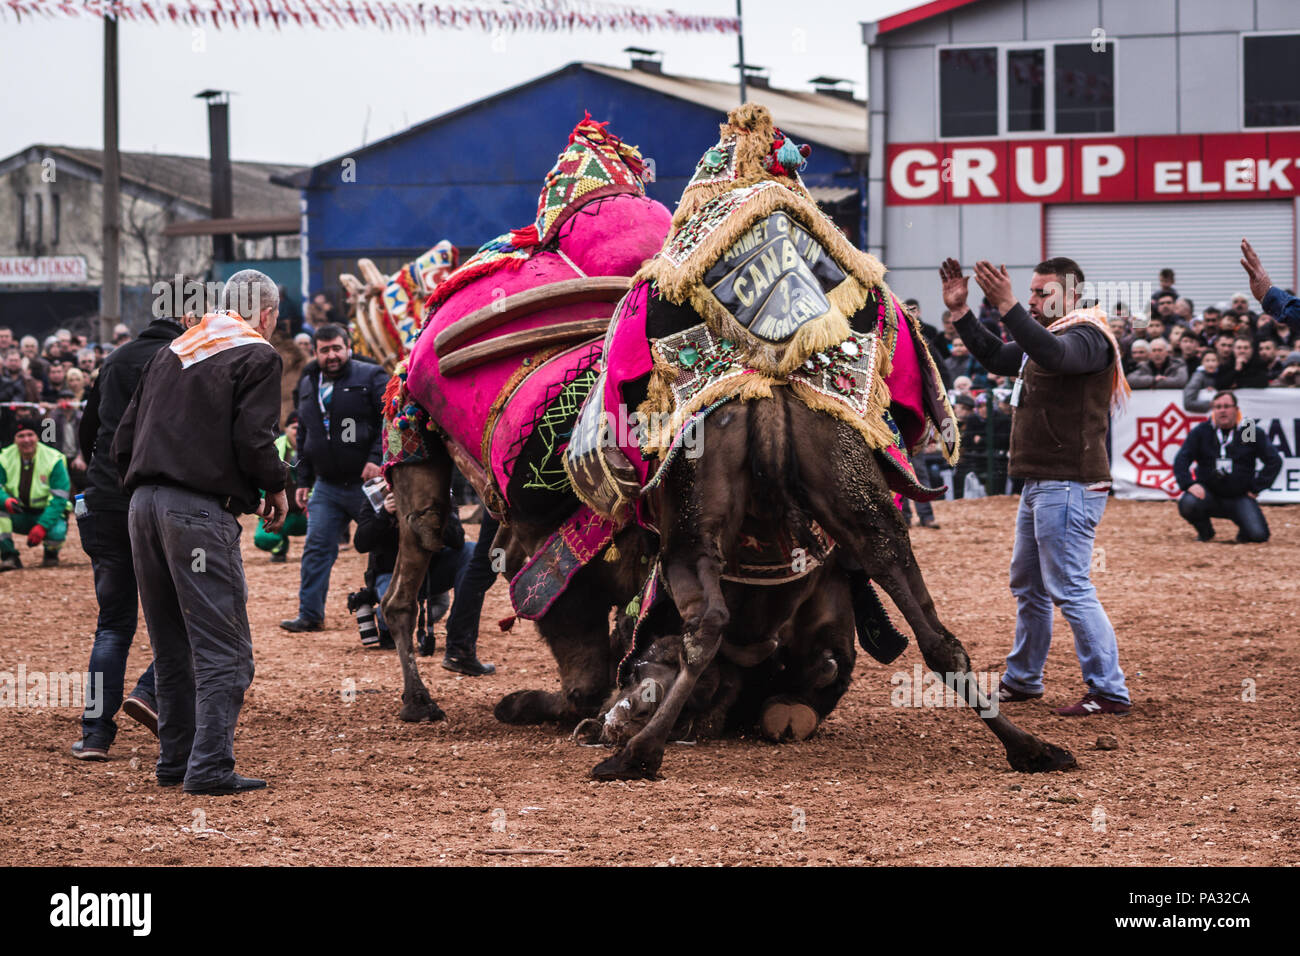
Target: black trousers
192,591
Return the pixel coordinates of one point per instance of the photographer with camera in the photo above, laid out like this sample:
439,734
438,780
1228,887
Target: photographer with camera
377,536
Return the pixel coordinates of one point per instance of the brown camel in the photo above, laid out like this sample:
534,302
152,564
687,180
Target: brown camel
576,628
776,460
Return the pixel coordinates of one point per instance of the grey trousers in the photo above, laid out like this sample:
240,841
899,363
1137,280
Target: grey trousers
185,548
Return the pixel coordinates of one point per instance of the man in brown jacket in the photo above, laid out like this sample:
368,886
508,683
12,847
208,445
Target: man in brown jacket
1067,361
194,447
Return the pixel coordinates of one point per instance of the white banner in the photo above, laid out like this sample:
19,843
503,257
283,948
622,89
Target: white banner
1146,435
42,270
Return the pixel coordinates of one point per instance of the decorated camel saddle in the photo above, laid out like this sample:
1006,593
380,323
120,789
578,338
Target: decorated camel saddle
386,313
755,288
511,344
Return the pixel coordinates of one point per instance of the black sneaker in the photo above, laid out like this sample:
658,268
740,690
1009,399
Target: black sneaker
426,643
84,751
236,784
279,557
50,559
298,625
469,666
11,562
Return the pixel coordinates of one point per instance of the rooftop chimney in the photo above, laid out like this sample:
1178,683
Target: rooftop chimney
647,61
833,86
755,76
223,195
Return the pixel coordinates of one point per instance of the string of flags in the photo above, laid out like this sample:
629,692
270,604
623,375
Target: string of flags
518,16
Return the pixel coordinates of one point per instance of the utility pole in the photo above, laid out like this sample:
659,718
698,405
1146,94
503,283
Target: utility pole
110,294
740,44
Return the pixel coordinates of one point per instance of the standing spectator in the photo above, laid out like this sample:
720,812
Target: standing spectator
87,362
1226,483
195,445
1245,370
1183,312
1241,309
304,345
1161,371
1068,363
121,334
13,384
340,431
106,539
36,496
37,367
1290,377
959,362
461,655
76,382
55,379
1166,287
1164,302
1139,352
6,339
295,522
1189,350
1268,357
1154,329
1199,391
66,418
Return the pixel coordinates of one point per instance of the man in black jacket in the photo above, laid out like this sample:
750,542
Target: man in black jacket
1226,484
340,434
102,523
194,447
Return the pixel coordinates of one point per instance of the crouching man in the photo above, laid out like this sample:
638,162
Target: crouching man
194,446
36,488
1226,483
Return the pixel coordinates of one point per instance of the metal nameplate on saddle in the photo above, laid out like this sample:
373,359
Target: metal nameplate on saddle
774,278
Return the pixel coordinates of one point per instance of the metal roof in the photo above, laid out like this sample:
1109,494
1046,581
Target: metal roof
828,120
186,178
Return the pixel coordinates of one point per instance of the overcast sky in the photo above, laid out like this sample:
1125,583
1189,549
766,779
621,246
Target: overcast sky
305,94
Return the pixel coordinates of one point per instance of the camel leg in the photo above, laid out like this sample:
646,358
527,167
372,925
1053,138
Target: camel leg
848,496
712,494
422,492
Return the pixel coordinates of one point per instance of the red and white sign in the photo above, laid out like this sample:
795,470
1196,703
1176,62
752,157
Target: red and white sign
42,270
1105,169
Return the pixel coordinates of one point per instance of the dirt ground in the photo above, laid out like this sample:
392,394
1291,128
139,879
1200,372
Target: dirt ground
1204,771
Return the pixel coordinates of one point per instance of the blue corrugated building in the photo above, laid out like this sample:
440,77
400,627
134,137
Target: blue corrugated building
475,172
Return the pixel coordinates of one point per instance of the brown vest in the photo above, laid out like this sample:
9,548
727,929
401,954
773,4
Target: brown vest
1058,431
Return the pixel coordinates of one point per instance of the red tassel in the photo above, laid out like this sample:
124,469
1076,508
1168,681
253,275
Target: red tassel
506,623
525,237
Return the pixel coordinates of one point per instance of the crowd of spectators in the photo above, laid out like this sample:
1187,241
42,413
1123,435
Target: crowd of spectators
1225,346
49,382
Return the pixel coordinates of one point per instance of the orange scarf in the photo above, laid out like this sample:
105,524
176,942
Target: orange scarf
217,332
1095,317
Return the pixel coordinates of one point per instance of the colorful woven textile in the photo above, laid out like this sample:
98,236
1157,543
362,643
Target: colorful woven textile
595,163
548,572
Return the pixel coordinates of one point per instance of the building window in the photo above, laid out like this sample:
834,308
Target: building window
22,220
1085,88
1026,91
1270,81
39,210
54,220
1017,88
968,91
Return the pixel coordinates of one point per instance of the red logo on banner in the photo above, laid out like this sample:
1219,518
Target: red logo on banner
1158,439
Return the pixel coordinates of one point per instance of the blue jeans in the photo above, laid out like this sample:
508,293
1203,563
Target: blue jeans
1244,512
444,571
107,541
1052,564
329,510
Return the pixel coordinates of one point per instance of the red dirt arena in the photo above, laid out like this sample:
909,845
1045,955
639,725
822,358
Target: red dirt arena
1202,772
